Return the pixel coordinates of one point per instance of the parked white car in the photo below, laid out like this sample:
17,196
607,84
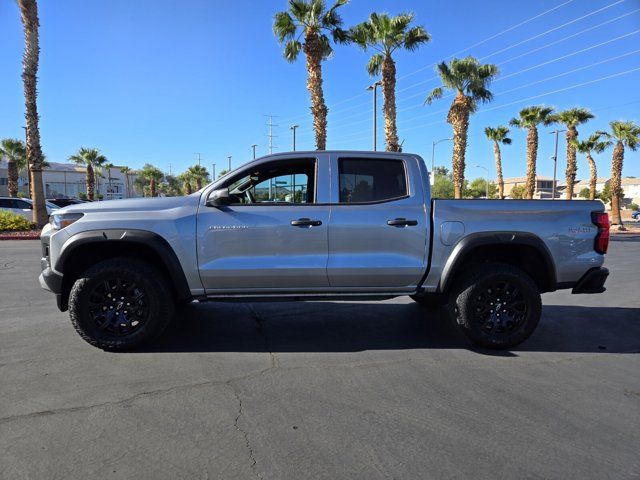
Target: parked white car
23,206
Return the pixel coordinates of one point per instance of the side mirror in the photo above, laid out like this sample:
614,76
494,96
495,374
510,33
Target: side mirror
218,198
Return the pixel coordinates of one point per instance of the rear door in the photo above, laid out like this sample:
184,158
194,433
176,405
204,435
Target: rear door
378,231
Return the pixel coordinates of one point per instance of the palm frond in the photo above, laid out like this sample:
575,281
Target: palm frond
435,94
325,46
300,10
291,50
415,37
283,26
375,64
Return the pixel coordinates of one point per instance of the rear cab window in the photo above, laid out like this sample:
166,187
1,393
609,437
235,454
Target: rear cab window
371,180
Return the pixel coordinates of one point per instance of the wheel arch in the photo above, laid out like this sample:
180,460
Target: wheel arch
524,250
86,248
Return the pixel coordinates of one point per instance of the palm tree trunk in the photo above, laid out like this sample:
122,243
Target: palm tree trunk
616,183
199,183
572,164
30,59
90,179
593,177
532,157
187,188
389,107
498,155
152,187
313,52
458,117
12,178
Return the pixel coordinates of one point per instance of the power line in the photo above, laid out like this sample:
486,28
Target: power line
571,87
420,94
458,52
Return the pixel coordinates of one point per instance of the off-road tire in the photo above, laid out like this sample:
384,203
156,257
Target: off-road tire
158,303
475,297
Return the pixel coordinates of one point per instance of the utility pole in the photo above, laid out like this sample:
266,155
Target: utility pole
170,172
198,158
486,181
229,157
293,129
432,175
213,171
254,150
270,124
555,163
374,87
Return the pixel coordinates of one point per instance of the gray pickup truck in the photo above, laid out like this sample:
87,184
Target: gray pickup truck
320,225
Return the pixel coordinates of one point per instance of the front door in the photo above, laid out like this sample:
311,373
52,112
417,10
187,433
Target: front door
273,234
379,227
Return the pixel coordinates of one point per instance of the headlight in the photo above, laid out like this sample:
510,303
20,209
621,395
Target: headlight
60,220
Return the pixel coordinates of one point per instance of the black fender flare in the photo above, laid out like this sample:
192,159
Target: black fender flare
506,238
141,237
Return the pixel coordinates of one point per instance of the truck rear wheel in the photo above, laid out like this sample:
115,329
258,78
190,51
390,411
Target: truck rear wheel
496,306
120,304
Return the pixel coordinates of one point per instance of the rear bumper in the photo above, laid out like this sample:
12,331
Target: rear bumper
592,281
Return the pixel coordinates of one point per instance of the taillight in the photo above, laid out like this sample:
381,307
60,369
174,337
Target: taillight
601,220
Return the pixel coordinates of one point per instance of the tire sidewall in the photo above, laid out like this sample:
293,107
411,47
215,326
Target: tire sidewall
159,304
465,316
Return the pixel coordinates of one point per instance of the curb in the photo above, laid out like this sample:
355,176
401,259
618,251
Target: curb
19,237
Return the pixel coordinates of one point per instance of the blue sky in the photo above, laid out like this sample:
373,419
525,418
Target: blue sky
157,81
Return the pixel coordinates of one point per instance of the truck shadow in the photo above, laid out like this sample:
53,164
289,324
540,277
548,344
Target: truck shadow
354,327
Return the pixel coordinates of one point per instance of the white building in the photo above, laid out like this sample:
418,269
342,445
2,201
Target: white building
69,180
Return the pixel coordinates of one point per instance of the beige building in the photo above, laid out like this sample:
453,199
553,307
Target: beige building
630,188
69,180
544,186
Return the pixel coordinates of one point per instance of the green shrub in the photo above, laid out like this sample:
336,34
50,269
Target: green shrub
14,223
633,206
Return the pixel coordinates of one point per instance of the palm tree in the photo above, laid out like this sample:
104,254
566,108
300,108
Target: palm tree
15,152
108,167
591,144
91,159
625,134
498,135
125,171
30,60
186,180
199,174
530,118
385,35
470,81
310,20
571,118
153,175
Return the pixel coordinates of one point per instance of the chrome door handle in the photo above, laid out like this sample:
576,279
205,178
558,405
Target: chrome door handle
402,222
305,222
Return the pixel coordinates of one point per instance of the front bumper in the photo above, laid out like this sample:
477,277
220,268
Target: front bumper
592,281
50,279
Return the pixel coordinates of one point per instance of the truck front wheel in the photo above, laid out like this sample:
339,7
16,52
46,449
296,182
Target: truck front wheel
496,306
120,304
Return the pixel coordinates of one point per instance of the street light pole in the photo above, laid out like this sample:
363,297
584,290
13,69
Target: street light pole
433,157
486,181
374,87
293,129
254,150
213,171
555,163
229,157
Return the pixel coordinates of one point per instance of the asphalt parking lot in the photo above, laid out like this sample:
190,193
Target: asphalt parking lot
321,390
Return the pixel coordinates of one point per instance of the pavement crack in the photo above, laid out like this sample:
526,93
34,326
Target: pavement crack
261,331
243,432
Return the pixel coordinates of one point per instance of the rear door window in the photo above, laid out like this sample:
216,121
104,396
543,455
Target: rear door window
364,180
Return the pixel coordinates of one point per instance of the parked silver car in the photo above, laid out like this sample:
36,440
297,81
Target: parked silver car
23,206
320,225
